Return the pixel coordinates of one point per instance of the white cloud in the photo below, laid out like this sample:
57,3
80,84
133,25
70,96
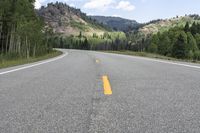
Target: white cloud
72,5
125,5
115,15
98,4
101,5
37,4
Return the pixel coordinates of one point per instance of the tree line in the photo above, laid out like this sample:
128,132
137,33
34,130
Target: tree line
107,41
178,42
22,32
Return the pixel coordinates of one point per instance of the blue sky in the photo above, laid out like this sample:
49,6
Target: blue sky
139,10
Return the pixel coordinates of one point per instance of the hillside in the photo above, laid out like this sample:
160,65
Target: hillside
164,25
141,39
67,20
117,23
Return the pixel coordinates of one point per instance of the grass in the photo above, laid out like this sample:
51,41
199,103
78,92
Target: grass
79,25
166,25
21,61
150,55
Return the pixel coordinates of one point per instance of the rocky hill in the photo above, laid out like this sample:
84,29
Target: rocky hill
162,25
67,20
117,23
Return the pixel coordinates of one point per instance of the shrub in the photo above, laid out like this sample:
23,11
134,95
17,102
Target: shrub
197,55
153,48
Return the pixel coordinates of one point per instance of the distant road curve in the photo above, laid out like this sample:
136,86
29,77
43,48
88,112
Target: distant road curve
67,94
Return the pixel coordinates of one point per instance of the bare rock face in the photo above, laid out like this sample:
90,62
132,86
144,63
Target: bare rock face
66,20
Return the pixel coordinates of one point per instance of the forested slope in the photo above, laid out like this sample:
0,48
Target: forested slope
179,42
161,36
117,23
22,33
73,29
66,20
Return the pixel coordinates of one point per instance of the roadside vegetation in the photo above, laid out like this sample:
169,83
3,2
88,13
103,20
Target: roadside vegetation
174,38
150,55
107,41
23,35
177,37
8,61
178,42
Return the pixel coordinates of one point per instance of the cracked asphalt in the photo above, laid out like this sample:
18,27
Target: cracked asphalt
66,96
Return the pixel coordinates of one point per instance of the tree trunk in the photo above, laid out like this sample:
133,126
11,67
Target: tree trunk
34,50
19,45
7,38
27,48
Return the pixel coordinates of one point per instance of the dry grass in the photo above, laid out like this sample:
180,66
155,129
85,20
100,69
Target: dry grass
21,61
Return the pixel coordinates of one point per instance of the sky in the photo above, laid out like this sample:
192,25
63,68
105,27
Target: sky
139,10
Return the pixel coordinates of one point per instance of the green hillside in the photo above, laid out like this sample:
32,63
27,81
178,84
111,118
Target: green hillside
72,28
140,39
164,25
117,23
66,20
177,37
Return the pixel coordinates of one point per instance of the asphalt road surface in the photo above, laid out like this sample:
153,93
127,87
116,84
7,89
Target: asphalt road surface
67,95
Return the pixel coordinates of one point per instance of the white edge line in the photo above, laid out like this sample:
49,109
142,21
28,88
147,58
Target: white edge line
160,61
37,64
178,64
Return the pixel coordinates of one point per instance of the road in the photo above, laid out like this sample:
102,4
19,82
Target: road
67,95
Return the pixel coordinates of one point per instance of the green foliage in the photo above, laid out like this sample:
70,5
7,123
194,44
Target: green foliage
179,47
192,45
195,28
79,25
197,55
197,37
177,42
153,48
164,45
21,31
155,39
106,41
13,60
187,27
190,55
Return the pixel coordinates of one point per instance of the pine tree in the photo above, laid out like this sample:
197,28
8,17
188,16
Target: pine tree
21,29
179,47
164,45
187,27
191,44
194,29
153,48
155,39
197,37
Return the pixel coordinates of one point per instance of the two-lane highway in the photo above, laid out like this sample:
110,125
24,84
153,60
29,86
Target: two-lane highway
85,91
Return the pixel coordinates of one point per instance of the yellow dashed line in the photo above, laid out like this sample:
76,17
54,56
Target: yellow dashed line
97,61
106,85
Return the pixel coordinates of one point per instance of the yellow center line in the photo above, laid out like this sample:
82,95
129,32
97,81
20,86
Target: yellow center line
97,61
106,85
